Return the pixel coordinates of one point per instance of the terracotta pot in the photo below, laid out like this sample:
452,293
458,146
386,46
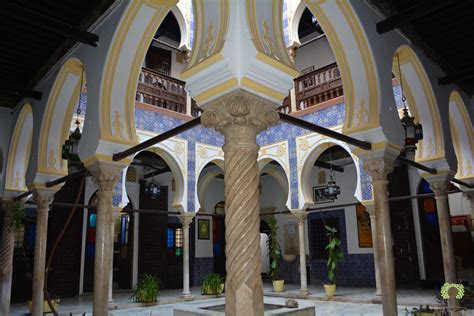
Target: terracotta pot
330,290
46,308
278,286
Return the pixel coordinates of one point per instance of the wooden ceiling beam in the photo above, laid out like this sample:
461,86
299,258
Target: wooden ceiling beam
36,19
465,74
32,94
412,14
326,165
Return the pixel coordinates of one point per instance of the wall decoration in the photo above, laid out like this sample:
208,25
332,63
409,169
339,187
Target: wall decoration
319,196
364,230
219,208
290,239
204,229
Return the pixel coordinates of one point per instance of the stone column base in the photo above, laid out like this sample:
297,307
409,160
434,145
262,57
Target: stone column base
187,297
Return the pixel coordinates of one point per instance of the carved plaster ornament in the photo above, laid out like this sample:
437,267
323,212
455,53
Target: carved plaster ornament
362,113
268,40
430,147
303,144
117,125
202,152
16,182
52,159
468,168
179,148
281,150
209,44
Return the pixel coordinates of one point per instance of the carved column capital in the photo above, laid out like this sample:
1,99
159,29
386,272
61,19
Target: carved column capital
105,175
378,168
186,218
43,198
439,184
370,208
240,116
300,215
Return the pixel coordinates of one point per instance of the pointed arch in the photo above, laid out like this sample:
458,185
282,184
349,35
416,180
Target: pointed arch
20,150
57,118
462,133
422,102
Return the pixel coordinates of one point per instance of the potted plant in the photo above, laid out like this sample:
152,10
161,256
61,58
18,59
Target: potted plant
147,289
274,252
213,284
335,255
421,311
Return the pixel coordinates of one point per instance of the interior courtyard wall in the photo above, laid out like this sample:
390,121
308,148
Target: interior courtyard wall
177,61
317,54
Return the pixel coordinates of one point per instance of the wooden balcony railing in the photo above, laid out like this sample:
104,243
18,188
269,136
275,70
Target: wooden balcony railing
161,90
318,86
286,106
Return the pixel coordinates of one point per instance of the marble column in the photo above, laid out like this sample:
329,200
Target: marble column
440,186
105,175
371,210
6,256
301,216
240,116
378,169
43,199
115,216
186,219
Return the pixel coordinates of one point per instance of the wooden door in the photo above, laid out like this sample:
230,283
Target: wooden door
403,231
66,262
152,254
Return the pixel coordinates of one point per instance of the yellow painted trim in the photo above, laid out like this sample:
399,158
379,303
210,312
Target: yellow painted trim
12,152
227,85
456,98
258,87
378,147
341,59
71,67
367,59
201,66
276,64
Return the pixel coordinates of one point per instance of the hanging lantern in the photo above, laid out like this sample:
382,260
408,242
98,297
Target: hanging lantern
70,150
413,131
332,190
152,190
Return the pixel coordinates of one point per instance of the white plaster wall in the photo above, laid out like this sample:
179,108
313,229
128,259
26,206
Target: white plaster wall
165,179
176,67
317,54
214,194
458,204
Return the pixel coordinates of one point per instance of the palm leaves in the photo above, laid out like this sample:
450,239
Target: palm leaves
274,249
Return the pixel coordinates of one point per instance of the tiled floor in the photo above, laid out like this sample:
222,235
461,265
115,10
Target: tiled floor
348,301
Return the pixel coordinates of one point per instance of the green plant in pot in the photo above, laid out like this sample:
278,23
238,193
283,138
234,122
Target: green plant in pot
274,252
147,289
213,284
335,255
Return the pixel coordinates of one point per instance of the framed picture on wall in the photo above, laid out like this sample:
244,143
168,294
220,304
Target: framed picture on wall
364,230
204,229
319,196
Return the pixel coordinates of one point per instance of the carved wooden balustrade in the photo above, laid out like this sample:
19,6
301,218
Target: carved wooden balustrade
161,90
318,86
286,106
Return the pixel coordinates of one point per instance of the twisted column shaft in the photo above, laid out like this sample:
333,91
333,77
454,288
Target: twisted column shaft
6,258
240,117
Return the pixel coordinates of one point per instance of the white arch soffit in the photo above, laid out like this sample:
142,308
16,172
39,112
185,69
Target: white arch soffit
130,43
202,187
183,26
19,151
179,201
462,133
315,151
295,22
360,79
58,116
420,91
281,178
217,161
